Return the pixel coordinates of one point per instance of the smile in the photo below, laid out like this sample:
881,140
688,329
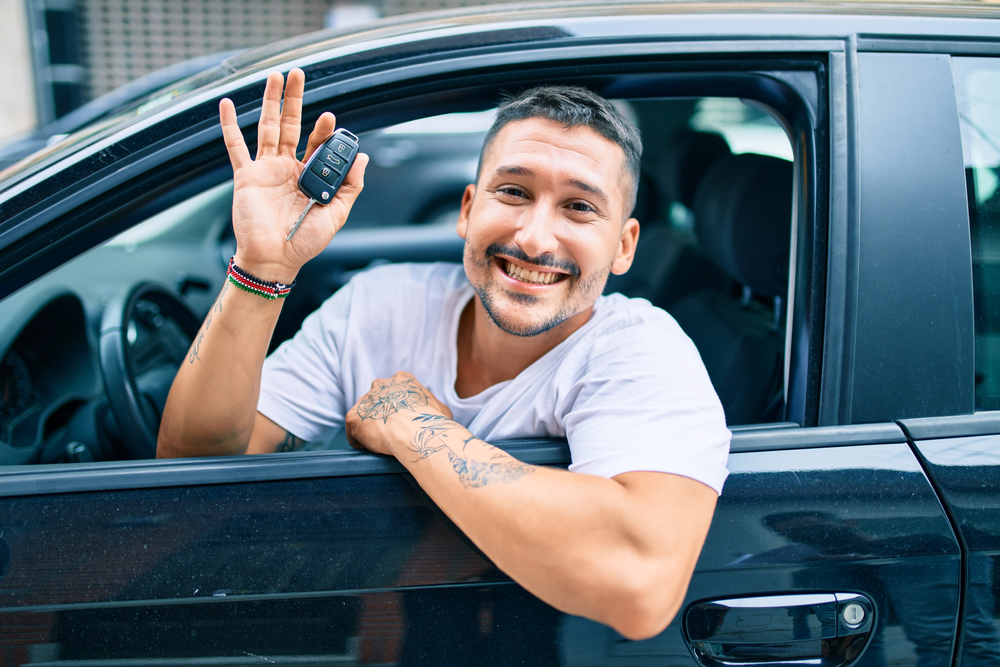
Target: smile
532,277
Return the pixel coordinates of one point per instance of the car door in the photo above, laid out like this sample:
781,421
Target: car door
828,544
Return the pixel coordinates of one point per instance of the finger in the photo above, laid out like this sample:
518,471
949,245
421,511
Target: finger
354,183
269,127
325,125
352,417
353,442
291,113
232,135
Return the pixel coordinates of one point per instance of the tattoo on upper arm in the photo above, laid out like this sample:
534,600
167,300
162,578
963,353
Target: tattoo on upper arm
390,397
290,443
471,473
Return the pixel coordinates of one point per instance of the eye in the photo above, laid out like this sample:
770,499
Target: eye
582,207
511,191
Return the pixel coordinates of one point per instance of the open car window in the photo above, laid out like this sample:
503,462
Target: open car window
54,394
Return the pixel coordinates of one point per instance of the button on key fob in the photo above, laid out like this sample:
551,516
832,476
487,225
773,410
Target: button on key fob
325,171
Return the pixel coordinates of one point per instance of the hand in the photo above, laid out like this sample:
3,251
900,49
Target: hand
267,199
370,424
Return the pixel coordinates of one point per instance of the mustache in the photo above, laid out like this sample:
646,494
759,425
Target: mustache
547,261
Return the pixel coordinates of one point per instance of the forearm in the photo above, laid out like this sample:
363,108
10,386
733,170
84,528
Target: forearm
212,406
579,542
213,401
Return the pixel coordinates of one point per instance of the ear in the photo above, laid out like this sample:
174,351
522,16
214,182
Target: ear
463,214
626,247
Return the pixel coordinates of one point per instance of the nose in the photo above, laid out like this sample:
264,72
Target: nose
537,228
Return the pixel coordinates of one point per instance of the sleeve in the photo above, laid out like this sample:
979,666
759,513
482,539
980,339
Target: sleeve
645,403
301,387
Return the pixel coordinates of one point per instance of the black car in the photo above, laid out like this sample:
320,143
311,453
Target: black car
820,210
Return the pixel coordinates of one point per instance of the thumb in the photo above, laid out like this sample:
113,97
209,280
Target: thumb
354,182
349,190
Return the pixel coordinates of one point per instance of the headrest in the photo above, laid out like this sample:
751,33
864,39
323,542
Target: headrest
688,156
743,219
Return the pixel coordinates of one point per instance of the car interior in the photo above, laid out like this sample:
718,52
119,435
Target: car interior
88,351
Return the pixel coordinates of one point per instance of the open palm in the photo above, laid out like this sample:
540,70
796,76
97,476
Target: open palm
266,198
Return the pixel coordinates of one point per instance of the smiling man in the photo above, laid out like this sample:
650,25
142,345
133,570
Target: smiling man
427,363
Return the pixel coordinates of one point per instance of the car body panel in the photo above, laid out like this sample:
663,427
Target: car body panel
966,471
914,297
363,554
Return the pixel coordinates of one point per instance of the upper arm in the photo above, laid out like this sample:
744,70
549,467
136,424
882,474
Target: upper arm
646,403
669,518
268,437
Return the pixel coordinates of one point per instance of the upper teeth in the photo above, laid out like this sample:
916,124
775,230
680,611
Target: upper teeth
524,275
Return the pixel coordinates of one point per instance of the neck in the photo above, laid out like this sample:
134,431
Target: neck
488,355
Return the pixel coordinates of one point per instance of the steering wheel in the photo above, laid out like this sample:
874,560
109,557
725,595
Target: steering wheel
134,412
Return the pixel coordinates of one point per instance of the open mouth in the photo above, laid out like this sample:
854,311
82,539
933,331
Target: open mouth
529,276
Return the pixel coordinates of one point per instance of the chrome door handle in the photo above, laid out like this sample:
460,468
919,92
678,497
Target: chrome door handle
826,629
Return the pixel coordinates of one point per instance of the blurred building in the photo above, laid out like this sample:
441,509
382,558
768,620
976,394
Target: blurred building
17,105
59,54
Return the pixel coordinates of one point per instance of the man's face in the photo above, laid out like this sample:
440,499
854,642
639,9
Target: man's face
544,225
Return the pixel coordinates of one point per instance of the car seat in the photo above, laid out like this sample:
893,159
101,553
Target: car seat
743,212
668,263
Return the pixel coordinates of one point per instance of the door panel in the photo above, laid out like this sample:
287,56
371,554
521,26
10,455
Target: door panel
830,519
912,245
360,569
967,472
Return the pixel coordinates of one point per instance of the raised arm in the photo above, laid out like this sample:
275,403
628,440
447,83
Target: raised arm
619,551
212,406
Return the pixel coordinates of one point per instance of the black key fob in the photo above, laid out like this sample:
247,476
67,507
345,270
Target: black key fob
326,168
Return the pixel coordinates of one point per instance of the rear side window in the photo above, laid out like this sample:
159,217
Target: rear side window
977,84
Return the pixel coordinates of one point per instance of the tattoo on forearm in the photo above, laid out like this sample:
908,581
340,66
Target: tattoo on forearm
196,346
433,426
422,446
474,474
389,397
217,308
290,443
471,473
218,302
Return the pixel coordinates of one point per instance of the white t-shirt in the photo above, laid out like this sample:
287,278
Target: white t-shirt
627,389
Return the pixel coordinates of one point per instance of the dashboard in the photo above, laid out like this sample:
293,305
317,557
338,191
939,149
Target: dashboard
52,396
45,375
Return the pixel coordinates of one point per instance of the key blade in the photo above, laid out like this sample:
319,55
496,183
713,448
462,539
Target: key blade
298,222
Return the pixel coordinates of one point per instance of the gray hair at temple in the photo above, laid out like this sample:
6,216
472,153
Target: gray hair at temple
572,106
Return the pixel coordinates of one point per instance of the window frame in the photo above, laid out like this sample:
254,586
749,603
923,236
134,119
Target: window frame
790,80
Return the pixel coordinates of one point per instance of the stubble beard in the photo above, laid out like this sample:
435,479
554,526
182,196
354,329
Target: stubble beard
581,287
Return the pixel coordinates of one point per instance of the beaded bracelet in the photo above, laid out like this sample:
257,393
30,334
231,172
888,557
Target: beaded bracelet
254,285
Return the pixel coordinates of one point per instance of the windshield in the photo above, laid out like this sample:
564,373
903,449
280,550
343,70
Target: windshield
113,122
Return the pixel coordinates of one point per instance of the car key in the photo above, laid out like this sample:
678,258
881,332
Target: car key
325,171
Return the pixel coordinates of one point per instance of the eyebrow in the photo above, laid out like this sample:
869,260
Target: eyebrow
516,170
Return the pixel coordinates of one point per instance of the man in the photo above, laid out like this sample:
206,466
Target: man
425,362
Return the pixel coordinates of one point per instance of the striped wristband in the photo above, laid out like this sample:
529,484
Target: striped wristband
254,285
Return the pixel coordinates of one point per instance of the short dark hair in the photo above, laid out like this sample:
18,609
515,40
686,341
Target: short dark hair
572,106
